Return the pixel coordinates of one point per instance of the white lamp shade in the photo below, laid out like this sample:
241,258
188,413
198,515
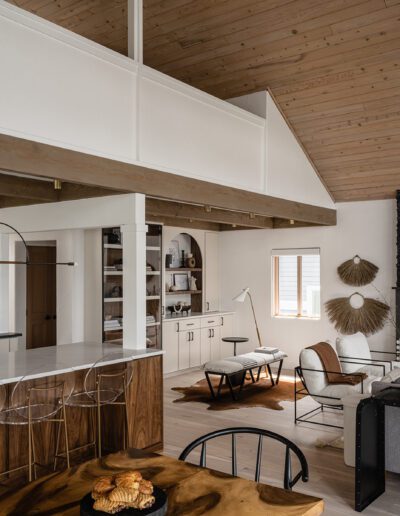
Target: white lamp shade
242,295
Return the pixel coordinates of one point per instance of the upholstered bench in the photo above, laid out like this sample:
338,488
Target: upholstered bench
234,370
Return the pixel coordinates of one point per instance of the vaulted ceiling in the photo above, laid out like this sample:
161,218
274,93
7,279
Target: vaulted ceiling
333,66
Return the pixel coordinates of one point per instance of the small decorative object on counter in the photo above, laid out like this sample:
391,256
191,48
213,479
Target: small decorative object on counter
190,261
193,281
183,259
178,307
186,309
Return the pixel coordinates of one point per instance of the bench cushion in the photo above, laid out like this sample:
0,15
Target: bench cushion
233,365
223,366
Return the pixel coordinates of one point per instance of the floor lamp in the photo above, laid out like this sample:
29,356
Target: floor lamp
240,299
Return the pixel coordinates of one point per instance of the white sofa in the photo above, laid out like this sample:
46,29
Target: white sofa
355,355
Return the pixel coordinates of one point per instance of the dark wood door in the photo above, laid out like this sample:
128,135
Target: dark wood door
41,306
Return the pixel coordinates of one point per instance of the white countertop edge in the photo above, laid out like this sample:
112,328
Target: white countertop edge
199,315
7,375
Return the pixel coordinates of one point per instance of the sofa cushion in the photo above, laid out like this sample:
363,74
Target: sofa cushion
340,391
353,346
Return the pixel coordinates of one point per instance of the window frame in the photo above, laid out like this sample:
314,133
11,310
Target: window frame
299,315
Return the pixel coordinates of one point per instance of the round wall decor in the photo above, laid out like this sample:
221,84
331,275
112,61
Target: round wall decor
357,313
357,271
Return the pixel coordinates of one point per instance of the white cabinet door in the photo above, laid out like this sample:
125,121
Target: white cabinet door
211,272
195,349
170,346
227,330
215,343
184,349
205,350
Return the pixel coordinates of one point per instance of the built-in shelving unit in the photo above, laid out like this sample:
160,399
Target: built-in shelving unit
181,249
112,285
154,286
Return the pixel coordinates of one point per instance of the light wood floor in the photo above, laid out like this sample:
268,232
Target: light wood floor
330,479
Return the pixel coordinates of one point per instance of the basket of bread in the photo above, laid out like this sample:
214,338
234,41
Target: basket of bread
126,493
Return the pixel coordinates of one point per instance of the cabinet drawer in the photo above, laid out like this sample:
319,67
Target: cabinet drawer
209,322
190,324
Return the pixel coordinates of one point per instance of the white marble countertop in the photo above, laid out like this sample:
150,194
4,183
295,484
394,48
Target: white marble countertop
48,361
195,315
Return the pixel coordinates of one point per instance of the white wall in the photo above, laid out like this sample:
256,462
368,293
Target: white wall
70,284
364,228
289,173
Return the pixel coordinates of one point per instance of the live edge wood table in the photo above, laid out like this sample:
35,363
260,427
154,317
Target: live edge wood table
191,490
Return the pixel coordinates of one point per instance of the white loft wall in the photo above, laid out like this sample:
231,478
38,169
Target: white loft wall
57,87
364,228
194,134
288,173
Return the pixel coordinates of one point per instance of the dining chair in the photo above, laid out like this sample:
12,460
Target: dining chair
288,482
102,388
32,402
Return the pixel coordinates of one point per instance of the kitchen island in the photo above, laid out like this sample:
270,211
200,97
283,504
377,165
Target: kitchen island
70,363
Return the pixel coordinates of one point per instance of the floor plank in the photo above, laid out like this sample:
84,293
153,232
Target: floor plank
330,478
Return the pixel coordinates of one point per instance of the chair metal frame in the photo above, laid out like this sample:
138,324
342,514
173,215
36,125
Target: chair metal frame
31,421
288,482
95,409
303,391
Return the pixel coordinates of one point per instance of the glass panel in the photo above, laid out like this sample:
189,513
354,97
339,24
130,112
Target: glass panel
287,285
311,305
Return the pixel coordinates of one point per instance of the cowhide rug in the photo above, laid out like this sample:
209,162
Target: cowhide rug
260,394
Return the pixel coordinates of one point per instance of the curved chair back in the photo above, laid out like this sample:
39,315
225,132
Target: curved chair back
107,386
289,481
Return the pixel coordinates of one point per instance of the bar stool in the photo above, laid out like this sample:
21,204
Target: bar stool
33,402
100,390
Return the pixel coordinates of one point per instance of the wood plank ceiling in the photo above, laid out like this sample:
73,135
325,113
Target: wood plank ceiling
332,66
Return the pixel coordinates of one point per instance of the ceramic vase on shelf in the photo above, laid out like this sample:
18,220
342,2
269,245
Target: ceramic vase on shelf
192,285
190,261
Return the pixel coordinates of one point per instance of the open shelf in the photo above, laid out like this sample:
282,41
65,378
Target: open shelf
152,298
113,299
183,269
112,246
153,273
153,248
176,292
112,273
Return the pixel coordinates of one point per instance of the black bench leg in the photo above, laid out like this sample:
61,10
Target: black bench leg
252,376
220,385
228,381
270,375
279,372
210,386
258,373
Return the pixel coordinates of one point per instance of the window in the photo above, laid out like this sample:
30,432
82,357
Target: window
296,283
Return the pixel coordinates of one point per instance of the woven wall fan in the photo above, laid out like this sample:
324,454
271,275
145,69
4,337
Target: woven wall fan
357,272
357,313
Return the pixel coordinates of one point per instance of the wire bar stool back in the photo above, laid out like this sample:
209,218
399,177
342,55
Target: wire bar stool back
290,448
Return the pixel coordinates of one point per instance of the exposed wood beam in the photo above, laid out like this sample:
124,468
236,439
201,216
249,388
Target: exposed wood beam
283,223
10,202
42,160
72,191
184,223
13,186
159,207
